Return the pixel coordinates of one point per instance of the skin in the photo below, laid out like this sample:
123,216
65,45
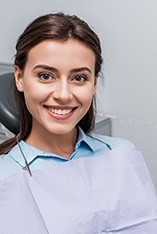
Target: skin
58,82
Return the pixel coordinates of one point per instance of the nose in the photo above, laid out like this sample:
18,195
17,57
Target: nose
62,92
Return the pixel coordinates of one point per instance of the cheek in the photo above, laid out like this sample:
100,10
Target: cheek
86,98
34,93
32,99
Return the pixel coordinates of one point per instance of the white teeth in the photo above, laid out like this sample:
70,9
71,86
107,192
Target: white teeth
60,112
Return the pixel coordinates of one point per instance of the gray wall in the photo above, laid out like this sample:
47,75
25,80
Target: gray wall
129,38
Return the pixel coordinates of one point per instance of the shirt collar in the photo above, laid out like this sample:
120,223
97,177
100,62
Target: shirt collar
30,152
84,138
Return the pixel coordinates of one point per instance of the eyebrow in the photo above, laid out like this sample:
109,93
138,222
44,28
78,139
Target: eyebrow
50,68
45,67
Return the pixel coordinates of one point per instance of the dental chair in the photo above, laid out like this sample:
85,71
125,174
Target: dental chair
8,109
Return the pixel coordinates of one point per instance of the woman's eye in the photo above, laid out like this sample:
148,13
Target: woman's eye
45,76
80,78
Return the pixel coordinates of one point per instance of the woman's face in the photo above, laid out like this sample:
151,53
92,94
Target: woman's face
58,83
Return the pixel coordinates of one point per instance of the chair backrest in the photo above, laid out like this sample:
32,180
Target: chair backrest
8,109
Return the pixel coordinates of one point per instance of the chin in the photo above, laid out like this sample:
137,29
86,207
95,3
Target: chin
61,130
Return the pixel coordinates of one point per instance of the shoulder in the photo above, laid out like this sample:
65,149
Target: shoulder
114,141
8,166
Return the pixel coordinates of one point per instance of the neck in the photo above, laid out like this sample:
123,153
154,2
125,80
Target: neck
62,145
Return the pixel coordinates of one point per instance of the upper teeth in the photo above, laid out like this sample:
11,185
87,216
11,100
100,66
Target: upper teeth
60,112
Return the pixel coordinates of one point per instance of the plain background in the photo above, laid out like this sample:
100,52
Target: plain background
128,32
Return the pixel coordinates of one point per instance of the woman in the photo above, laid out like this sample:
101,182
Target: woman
74,181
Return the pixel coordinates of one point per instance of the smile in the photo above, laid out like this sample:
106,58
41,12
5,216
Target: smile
60,111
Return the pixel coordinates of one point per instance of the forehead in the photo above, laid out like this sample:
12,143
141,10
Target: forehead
59,53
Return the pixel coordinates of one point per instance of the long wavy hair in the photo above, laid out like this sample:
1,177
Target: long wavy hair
58,26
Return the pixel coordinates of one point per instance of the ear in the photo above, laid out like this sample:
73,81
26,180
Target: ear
18,78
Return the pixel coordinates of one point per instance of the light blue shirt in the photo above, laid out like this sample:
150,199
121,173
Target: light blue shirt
86,146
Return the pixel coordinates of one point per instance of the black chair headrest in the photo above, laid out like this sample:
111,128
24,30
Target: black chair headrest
8,109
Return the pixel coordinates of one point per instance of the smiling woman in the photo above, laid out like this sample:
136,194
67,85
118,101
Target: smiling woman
57,63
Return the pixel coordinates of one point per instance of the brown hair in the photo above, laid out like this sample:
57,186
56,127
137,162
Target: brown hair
61,27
